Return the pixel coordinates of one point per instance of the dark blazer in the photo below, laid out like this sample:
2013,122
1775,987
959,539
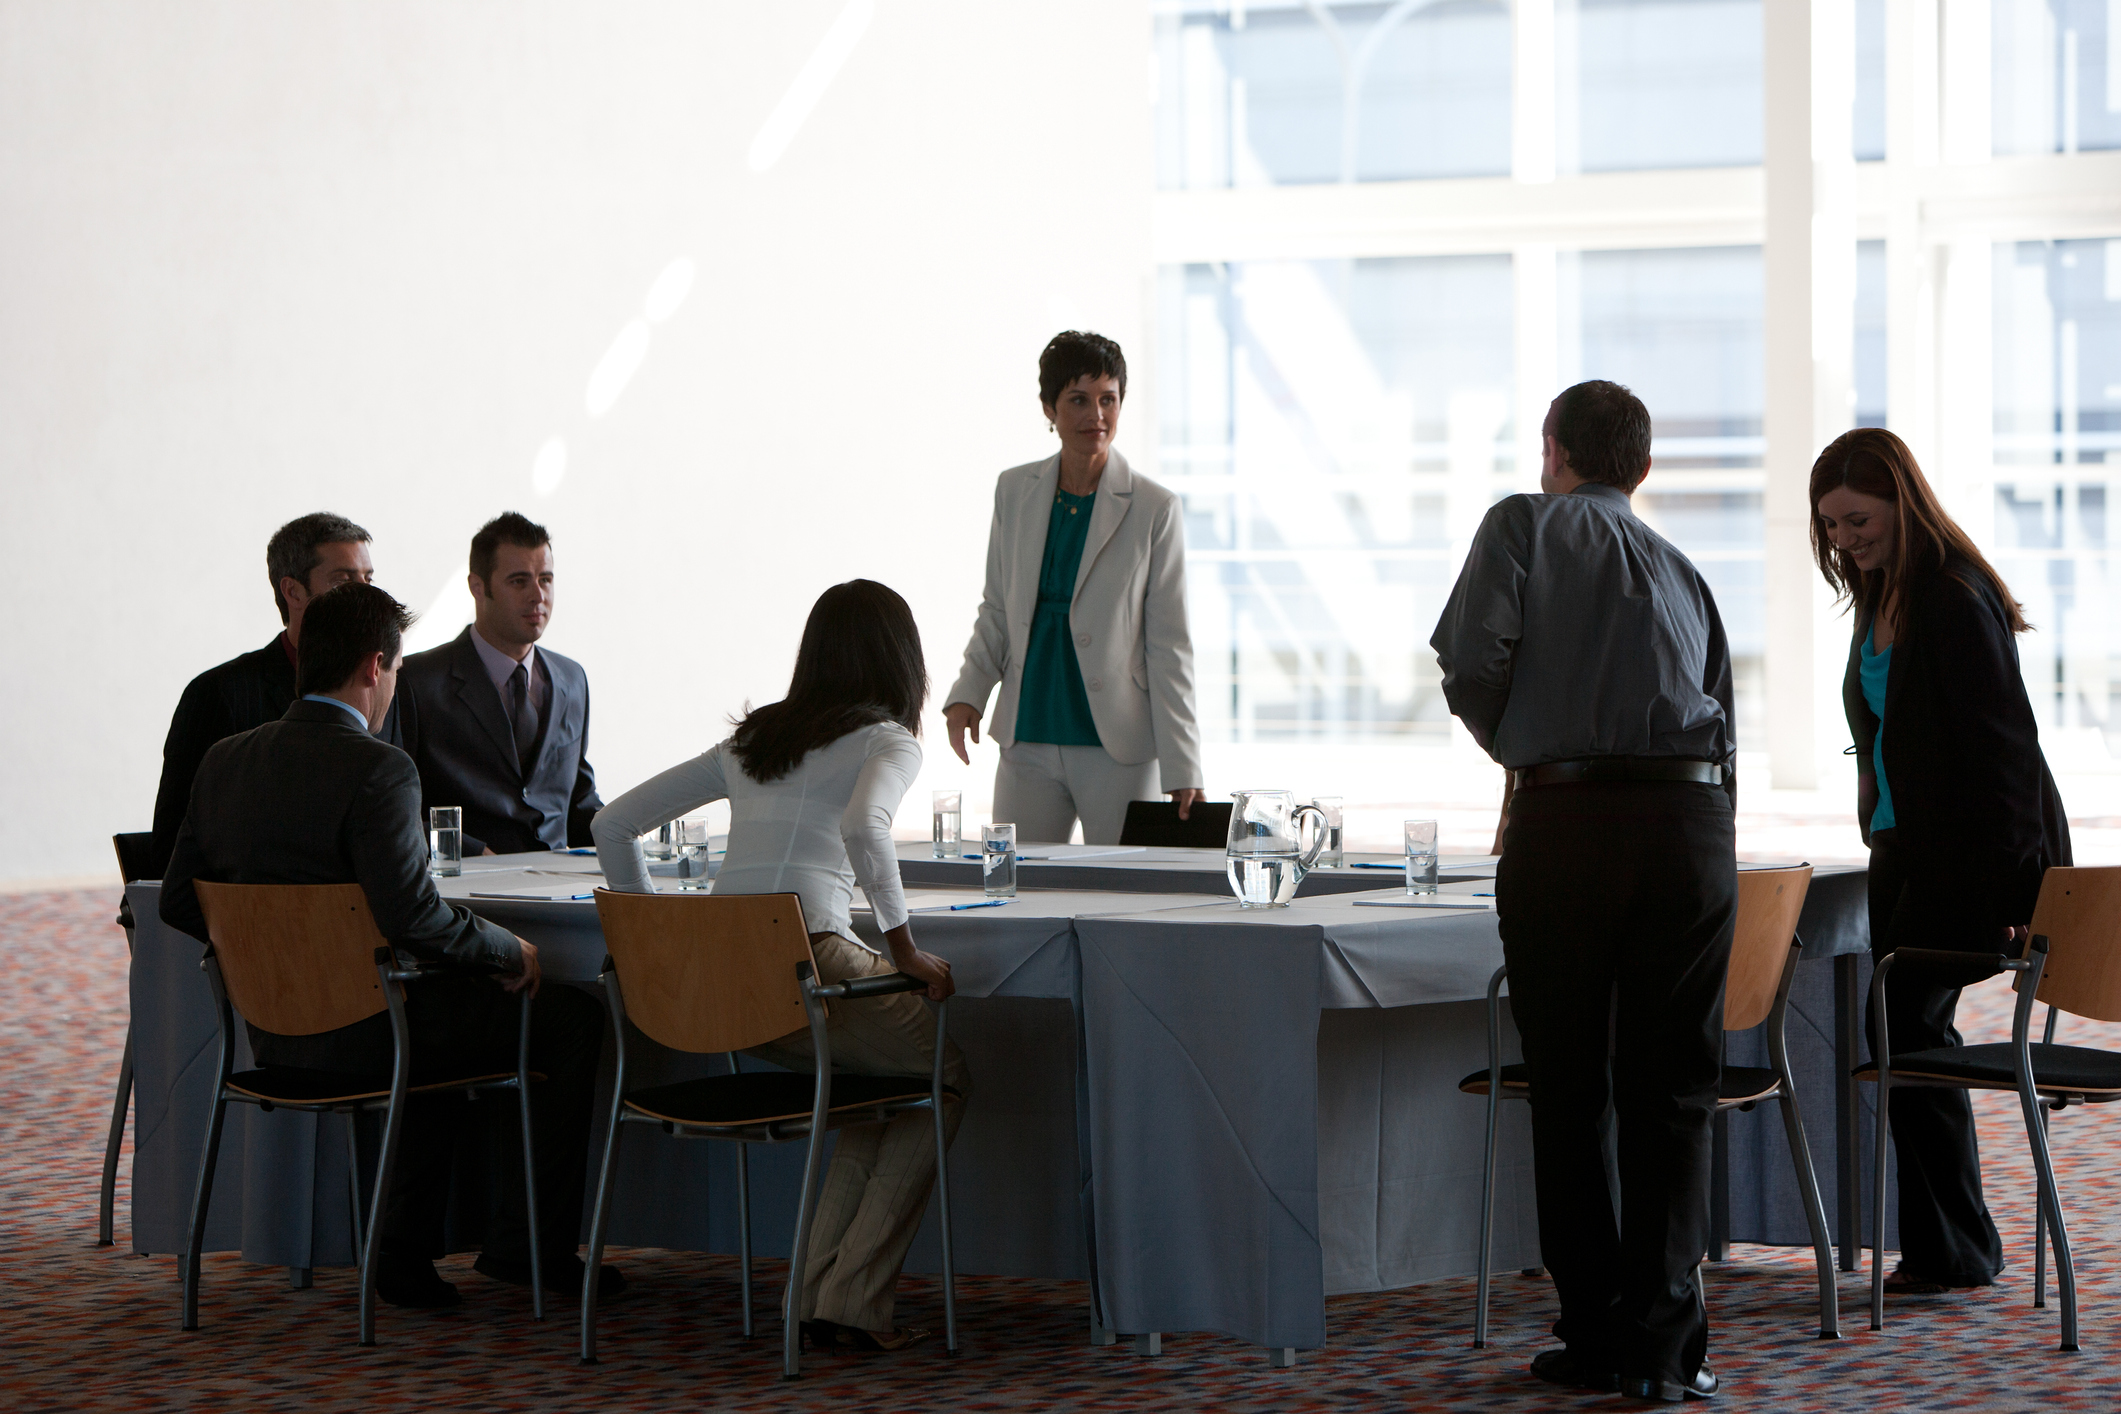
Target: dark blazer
244,692
313,799
1971,790
457,733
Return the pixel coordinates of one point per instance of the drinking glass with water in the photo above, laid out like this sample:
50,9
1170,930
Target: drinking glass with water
694,845
949,825
998,860
445,841
1421,856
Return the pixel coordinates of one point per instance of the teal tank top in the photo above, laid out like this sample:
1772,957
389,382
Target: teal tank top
1052,705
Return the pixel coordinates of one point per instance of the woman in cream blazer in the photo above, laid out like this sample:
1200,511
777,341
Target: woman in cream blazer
1083,622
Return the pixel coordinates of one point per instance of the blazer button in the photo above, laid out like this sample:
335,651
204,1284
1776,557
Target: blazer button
1097,684
1083,639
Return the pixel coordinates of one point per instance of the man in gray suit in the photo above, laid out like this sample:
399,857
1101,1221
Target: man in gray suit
496,724
313,798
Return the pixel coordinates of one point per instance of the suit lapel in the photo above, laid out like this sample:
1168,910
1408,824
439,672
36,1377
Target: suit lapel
1031,542
476,691
1115,494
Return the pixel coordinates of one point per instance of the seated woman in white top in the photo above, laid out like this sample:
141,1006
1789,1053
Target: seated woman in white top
812,782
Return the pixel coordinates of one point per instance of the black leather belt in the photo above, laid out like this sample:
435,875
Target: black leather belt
1619,768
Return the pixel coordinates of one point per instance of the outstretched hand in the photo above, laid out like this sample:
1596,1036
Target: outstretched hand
963,717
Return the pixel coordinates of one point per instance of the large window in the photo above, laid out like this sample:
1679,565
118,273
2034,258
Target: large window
2057,75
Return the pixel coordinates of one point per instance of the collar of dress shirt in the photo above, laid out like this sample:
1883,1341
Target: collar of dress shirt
347,707
500,667
1599,491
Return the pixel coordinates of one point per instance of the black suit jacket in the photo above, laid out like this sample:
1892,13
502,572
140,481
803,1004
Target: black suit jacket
1971,789
313,799
244,692
457,733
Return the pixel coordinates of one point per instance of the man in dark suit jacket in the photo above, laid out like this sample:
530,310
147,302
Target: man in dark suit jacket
314,798
304,558
496,724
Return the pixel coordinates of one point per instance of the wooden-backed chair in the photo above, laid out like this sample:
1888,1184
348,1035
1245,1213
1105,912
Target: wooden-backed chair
1765,949
135,861
1155,823
297,960
708,973
2074,965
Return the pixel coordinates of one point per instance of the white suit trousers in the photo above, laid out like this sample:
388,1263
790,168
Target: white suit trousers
1044,789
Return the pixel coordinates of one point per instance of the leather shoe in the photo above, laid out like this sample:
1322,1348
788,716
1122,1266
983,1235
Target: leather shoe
1566,1367
412,1282
1658,1389
563,1273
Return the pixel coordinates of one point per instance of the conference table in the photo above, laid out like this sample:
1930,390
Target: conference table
1217,1117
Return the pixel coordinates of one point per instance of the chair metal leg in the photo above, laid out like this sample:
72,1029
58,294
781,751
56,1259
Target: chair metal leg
1885,1131
598,1224
202,1198
300,1278
393,1125
942,1184
1815,1214
1487,1222
2040,1238
799,1258
2051,1204
530,1170
107,1199
743,1224
1848,1178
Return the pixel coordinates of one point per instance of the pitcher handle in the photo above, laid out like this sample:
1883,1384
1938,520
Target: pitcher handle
1309,859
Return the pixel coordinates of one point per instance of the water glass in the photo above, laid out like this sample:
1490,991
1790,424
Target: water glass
445,841
998,860
1330,857
949,825
694,846
661,844
1421,856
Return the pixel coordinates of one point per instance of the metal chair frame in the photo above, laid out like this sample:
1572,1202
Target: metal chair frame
1792,1122
393,979
811,1127
2035,1101
121,1102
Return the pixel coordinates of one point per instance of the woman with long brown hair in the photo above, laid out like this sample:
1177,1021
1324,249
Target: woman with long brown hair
1953,797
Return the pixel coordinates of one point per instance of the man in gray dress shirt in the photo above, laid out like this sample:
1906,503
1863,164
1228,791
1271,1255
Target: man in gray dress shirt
1586,655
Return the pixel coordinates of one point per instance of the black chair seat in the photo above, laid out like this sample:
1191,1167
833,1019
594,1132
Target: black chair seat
292,1085
1515,1078
1745,1085
2068,1070
769,1097
1742,1084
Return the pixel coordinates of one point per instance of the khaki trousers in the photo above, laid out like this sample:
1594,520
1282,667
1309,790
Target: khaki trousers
877,1187
1044,789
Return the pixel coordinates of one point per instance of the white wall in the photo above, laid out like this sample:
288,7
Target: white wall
263,259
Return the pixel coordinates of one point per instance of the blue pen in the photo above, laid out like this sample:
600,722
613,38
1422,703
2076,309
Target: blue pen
989,903
1372,864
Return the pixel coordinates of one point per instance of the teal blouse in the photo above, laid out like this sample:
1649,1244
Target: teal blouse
1052,705
1872,669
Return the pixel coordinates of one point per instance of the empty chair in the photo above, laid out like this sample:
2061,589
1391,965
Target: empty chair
1764,953
1155,823
707,973
135,861
2074,965
297,960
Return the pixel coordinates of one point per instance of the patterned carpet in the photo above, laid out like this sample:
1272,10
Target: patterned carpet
88,1328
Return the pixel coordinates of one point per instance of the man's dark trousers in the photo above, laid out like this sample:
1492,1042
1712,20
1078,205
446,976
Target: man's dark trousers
466,1025
1616,902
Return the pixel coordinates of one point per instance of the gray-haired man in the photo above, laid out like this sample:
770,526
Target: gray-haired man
304,558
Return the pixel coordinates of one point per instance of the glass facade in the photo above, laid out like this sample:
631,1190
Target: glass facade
1657,83
2058,447
1287,93
2057,76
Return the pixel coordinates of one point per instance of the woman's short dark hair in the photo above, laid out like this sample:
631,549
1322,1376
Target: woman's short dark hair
859,664
1605,429
1073,355
292,551
341,628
